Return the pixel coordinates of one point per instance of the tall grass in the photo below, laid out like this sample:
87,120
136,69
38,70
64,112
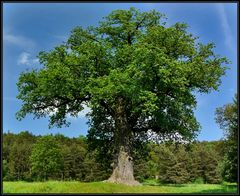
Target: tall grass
103,187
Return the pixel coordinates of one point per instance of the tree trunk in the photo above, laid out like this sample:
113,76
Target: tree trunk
123,165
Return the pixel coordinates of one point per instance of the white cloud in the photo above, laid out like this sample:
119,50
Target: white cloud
18,40
81,114
159,138
225,26
55,110
84,111
25,59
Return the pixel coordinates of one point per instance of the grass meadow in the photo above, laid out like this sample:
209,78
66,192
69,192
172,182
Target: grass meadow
103,187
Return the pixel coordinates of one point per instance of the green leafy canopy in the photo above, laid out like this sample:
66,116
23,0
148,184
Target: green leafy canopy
131,55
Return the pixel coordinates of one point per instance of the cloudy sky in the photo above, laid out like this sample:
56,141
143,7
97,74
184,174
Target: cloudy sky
29,28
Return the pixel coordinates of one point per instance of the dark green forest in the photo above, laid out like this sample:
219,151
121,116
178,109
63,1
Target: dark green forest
57,157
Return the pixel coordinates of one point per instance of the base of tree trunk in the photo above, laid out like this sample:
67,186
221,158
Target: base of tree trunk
123,172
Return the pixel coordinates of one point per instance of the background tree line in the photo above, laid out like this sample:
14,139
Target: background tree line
29,157
56,157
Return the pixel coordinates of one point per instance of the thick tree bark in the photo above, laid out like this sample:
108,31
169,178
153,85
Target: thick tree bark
123,165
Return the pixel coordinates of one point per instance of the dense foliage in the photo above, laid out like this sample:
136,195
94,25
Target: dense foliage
46,158
227,117
28,157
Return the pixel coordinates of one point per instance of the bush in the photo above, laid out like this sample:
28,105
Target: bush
199,180
8,177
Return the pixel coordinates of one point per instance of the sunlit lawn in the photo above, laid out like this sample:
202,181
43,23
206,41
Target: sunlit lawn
102,187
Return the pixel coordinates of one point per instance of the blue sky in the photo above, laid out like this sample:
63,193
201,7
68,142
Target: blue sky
29,28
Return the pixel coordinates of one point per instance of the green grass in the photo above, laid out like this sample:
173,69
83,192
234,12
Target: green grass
102,187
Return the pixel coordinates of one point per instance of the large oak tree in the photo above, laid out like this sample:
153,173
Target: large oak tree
134,72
